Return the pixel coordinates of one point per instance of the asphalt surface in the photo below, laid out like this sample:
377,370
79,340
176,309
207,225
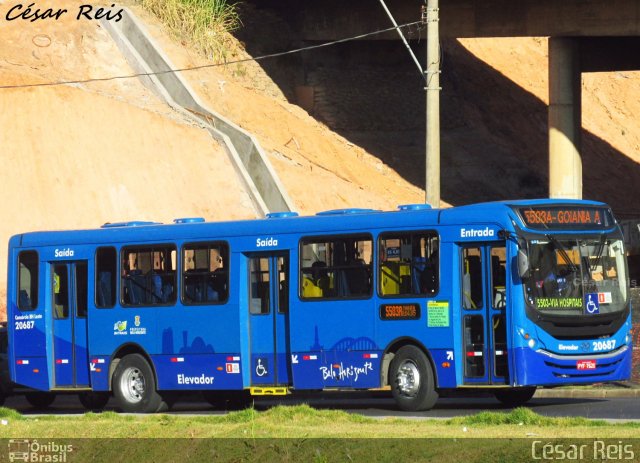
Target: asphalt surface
620,404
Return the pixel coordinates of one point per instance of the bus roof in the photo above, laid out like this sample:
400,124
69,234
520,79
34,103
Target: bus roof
334,221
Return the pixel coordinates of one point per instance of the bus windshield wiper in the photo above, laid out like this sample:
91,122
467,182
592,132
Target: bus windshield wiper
560,247
598,256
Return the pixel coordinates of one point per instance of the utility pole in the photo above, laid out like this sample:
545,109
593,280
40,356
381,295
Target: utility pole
432,174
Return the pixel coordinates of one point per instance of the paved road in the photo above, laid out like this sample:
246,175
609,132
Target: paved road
377,405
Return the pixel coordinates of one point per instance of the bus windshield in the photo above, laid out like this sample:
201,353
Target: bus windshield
576,276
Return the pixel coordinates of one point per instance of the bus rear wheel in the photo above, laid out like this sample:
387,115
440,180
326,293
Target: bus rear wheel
93,400
412,380
134,386
516,396
40,400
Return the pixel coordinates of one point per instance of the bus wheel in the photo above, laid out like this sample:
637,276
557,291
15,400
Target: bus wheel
93,400
134,386
40,400
412,380
516,396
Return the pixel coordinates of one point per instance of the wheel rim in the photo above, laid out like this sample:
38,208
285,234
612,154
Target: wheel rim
408,378
132,385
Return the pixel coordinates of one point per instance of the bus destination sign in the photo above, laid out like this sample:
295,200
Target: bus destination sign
559,217
399,312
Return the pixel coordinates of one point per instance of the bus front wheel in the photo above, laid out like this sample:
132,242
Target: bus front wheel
516,396
134,386
412,380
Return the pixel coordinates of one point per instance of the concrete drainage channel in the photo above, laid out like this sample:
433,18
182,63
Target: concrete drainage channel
251,164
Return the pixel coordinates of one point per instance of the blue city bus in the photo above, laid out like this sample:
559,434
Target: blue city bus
502,297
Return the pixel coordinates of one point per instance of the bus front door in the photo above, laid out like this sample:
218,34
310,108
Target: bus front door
484,301
268,319
69,284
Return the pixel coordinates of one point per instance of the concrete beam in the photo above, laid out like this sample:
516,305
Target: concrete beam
565,163
335,19
604,54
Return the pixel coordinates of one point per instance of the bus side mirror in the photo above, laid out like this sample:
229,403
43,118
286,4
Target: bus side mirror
523,264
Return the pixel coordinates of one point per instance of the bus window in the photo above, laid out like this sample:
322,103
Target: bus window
335,267
259,286
471,278
28,280
499,277
408,264
205,273
148,275
60,291
106,271
81,289
283,285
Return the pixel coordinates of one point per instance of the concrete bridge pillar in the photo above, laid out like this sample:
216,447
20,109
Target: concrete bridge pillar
565,121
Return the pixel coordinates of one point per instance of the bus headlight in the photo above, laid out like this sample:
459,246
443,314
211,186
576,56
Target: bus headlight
532,343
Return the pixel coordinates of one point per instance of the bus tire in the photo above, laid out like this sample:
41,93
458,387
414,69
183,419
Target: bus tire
93,401
134,386
515,396
412,380
40,400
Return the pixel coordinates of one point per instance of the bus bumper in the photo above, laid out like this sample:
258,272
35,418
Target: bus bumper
543,368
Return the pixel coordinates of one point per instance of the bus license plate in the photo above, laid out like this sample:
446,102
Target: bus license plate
586,364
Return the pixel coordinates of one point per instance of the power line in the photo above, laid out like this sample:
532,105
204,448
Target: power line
204,66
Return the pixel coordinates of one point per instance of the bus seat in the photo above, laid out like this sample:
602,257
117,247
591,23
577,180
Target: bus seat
104,289
155,284
218,283
212,294
342,285
405,277
309,288
135,284
24,301
423,276
191,287
390,276
167,291
357,278
418,266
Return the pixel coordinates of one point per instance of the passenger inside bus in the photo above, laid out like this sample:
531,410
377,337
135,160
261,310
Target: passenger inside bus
317,283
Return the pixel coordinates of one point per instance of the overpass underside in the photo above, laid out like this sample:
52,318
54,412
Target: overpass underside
585,36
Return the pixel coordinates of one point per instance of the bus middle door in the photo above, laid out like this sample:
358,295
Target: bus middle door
69,284
484,301
268,318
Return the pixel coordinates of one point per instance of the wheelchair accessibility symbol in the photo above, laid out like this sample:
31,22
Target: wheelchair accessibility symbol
593,305
261,370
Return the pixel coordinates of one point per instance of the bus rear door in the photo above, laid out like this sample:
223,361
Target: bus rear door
268,319
484,300
69,284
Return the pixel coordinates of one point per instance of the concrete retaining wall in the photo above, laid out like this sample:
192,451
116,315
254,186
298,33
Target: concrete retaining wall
251,163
